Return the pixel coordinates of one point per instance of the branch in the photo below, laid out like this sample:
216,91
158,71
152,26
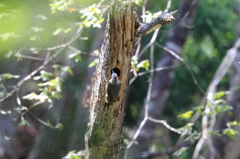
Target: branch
186,65
156,23
28,77
220,73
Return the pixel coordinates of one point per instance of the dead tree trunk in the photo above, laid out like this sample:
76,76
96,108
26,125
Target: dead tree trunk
104,134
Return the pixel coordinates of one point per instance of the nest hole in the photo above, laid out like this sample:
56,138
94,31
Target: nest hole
117,71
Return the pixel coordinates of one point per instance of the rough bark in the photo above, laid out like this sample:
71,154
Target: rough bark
163,79
104,134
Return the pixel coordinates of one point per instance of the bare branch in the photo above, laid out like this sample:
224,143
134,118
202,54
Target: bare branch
165,124
183,61
149,71
156,23
40,120
80,52
32,58
221,71
28,77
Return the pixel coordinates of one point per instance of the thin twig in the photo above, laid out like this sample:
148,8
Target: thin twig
183,61
153,39
219,74
40,120
180,21
165,124
80,52
32,58
28,77
149,71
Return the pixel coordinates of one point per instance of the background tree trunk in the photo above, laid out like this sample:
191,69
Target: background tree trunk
224,146
163,79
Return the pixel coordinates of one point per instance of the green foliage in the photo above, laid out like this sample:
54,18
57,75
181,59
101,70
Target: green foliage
180,151
61,5
231,133
186,115
5,112
94,63
143,64
74,155
51,86
91,16
24,123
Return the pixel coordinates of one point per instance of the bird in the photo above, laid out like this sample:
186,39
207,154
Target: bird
113,88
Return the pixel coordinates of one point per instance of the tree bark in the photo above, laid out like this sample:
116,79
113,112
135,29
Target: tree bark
104,134
163,79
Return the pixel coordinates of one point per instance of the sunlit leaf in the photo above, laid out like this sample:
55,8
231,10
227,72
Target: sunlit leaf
59,126
233,123
94,63
219,95
24,123
144,64
180,151
231,133
186,115
9,76
68,69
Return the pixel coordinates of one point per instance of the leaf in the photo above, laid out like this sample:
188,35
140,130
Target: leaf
144,64
68,69
233,123
215,133
76,55
9,76
231,133
30,96
180,151
186,115
24,123
59,126
94,63
218,95
5,112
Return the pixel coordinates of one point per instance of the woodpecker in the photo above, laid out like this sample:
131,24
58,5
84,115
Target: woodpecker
113,88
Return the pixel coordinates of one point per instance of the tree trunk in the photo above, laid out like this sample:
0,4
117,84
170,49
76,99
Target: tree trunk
104,134
163,79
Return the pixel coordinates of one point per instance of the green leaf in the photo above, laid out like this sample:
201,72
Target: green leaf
180,151
9,76
68,69
186,115
94,63
59,126
218,95
233,123
144,64
5,112
215,133
30,96
231,133
24,123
